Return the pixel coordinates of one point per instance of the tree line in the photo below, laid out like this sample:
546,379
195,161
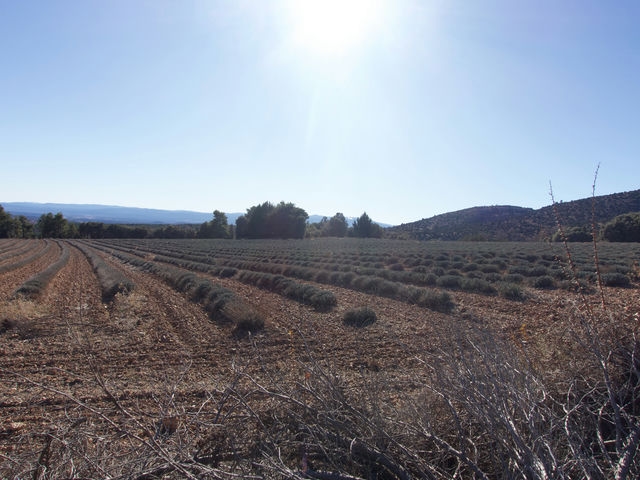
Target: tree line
281,221
266,220
623,228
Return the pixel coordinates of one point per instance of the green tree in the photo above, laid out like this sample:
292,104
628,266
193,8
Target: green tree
23,228
364,227
6,224
287,221
623,228
573,234
253,224
175,231
216,228
116,231
314,230
268,221
55,226
91,230
336,226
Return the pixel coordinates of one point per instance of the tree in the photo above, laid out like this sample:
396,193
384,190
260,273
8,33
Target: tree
623,228
573,234
91,230
216,228
55,226
23,227
287,221
336,226
6,224
116,231
175,231
365,228
253,224
268,221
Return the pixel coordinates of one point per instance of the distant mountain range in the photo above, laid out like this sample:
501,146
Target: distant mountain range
505,222
123,215
106,213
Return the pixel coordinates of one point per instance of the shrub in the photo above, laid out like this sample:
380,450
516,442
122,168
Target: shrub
387,289
339,278
200,290
112,281
429,279
243,317
449,281
322,276
577,284
435,300
359,317
513,278
615,279
476,274
511,291
437,271
544,282
323,300
490,268
477,285
227,272
36,284
367,283
493,277
623,228
536,271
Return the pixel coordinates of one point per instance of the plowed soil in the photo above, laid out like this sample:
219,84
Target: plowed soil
67,359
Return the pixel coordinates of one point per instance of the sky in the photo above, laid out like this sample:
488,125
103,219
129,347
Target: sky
403,109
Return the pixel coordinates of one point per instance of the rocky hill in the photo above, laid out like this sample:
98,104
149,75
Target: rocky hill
517,223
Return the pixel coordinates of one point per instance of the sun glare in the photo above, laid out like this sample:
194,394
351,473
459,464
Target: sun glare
333,27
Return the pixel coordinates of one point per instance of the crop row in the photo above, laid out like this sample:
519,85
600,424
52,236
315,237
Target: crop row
378,281
112,281
277,277
15,248
319,299
35,285
220,303
44,248
537,265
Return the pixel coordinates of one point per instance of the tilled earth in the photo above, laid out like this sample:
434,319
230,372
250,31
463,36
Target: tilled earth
152,362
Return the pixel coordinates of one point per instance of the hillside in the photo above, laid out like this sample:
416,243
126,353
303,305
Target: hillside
517,223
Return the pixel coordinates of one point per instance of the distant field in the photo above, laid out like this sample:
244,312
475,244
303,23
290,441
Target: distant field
225,359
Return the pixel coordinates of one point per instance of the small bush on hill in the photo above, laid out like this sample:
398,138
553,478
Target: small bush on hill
359,317
544,282
615,279
513,278
435,300
477,285
511,291
449,281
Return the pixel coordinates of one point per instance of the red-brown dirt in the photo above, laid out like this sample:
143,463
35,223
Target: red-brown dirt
64,354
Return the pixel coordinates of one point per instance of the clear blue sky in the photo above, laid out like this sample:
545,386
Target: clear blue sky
401,108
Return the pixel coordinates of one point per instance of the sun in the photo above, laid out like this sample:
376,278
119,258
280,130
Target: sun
333,27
